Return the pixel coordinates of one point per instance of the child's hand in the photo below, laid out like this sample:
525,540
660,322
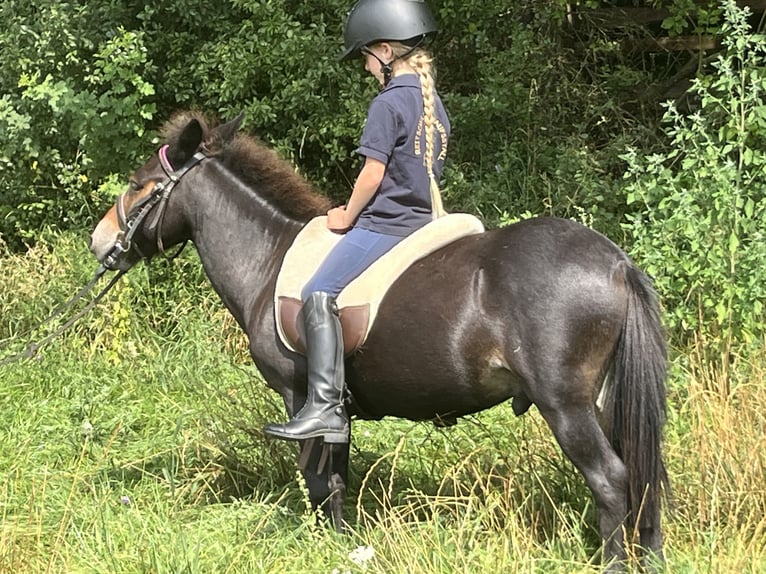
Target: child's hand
337,220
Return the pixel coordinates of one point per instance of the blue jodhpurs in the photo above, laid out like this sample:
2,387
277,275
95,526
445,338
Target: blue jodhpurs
355,252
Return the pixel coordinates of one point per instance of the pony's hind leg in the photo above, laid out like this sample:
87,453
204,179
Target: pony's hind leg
583,441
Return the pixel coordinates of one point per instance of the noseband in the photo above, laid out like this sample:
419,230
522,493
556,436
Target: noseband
131,221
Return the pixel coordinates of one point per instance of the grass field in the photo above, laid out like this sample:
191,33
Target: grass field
132,444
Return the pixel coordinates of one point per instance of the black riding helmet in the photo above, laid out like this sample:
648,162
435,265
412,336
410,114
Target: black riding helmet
371,21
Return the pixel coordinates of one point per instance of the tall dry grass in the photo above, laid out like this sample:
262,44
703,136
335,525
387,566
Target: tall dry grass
716,449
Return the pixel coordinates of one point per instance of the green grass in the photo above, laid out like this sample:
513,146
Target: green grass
132,444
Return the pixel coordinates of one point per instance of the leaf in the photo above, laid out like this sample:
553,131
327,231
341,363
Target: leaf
749,207
720,312
733,242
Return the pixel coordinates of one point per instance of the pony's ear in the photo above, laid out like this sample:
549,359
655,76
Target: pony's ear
189,141
226,131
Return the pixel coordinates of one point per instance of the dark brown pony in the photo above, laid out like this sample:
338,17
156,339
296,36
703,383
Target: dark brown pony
545,312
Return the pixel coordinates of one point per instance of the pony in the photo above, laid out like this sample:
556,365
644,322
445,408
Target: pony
544,312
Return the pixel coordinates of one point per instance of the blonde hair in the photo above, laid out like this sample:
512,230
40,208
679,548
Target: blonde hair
421,61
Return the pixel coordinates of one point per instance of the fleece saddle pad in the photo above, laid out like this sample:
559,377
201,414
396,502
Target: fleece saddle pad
358,303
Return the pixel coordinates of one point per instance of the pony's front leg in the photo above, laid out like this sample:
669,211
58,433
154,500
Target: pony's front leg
325,469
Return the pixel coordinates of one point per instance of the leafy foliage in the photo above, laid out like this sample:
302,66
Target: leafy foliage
688,16
86,84
75,104
539,120
701,229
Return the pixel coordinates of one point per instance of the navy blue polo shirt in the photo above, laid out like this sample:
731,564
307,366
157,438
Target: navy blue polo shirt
395,135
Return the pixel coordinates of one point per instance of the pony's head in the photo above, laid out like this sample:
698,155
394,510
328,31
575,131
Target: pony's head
133,228
144,220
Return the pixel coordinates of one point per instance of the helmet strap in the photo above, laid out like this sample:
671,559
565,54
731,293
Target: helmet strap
387,69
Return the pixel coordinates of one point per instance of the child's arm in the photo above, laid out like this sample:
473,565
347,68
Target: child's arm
342,218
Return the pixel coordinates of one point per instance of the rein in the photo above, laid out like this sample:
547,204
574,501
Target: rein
32,348
129,225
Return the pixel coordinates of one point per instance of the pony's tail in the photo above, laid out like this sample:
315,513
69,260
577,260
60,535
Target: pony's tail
640,372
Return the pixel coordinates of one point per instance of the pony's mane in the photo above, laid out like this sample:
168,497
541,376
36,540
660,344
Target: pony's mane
258,166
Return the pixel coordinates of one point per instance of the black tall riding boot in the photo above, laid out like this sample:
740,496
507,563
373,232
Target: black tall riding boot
323,415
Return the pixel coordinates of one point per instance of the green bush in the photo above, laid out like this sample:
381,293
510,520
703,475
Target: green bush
701,229
74,105
539,115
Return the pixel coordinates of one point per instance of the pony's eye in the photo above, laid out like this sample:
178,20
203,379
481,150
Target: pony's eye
134,186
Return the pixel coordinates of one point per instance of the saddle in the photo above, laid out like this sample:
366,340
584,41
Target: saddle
358,303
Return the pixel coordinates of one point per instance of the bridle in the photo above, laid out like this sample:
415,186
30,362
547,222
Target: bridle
131,221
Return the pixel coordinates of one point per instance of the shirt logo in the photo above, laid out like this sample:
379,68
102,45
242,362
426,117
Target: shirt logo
420,136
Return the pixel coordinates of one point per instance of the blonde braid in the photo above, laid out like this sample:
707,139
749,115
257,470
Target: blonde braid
420,61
